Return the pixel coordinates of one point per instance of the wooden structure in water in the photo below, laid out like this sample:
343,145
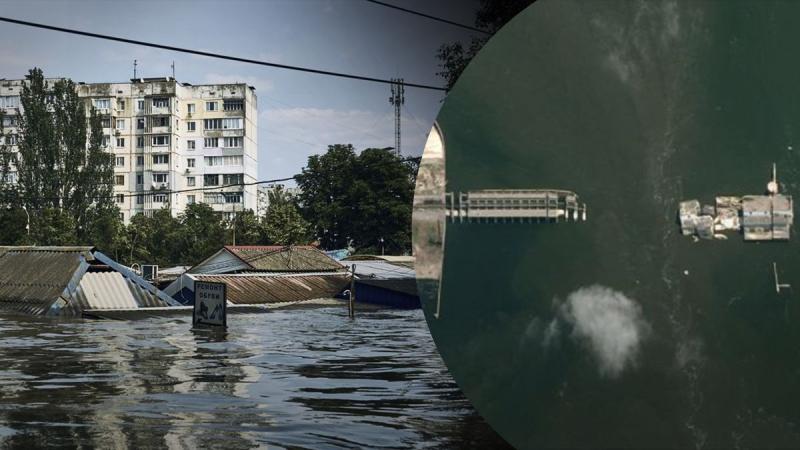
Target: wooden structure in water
514,205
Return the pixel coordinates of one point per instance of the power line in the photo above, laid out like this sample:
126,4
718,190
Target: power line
211,55
220,188
438,19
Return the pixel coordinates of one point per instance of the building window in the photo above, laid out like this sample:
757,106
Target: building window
120,124
140,105
190,181
233,142
190,107
9,101
210,180
190,162
190,126
190,199
120,142
140,124
211,142
120,180
233,105
160,141
102,103
105,122
212,124
160,102
190,145
13,139
106,140
160,159
162,121
140,142
9,121
120,198
122,217
139,178
120,104
233,160
120,161
236,178
211,106
160,198
139,199
232,124
159,178
140,160
235,197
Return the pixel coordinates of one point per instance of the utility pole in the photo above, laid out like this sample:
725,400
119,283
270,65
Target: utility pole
397,99
352,302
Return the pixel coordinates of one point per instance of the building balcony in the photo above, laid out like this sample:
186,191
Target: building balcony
232,133
160,110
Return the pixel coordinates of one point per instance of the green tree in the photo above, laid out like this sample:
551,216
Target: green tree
58,169
363,200
326,186
491,16
201,233
247,229
283,225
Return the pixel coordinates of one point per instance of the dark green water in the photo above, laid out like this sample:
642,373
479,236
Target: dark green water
294,379
635,106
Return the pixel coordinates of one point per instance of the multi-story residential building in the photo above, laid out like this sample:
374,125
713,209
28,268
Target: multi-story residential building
173,143
263,196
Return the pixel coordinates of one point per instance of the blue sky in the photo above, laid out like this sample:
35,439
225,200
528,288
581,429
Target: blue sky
299,113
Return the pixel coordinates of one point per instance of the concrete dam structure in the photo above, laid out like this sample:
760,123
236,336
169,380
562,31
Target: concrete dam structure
514,206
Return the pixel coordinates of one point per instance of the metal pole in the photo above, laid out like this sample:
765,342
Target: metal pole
353,292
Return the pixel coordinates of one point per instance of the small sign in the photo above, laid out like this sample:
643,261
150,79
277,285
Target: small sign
210,301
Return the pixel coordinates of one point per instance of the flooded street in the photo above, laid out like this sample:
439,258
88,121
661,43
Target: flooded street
303,377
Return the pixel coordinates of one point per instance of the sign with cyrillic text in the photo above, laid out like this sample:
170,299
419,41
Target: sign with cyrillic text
210,301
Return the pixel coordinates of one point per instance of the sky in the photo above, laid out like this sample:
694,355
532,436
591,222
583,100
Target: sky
300,114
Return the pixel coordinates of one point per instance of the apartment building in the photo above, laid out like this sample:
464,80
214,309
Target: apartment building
173,143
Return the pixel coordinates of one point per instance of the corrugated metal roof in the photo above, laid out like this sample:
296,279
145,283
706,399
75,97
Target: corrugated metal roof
31,280
260,289
380,269
103,290
285,259
54,280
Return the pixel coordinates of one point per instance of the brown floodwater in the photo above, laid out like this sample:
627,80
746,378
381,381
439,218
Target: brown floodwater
290,378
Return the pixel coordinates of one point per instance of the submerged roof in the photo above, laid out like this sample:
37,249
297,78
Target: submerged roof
253,289
281,259
66,280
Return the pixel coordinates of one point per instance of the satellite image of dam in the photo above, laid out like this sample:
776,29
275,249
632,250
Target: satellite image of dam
621,330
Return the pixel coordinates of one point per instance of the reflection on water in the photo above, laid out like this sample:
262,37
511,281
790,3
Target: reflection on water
305,378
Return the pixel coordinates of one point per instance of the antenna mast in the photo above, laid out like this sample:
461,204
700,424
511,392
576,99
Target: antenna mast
397,99
134,69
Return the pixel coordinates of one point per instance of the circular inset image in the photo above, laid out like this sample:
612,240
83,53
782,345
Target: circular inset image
603,226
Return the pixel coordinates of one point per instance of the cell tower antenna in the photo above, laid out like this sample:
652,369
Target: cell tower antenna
397,99
173,70
134,69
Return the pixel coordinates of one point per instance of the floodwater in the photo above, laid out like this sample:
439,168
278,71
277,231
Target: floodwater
619,331
290,378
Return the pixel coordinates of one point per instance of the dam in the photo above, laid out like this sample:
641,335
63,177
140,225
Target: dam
514,206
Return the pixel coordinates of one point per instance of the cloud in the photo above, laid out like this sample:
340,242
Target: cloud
11,58
609,324
261,84
322,127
